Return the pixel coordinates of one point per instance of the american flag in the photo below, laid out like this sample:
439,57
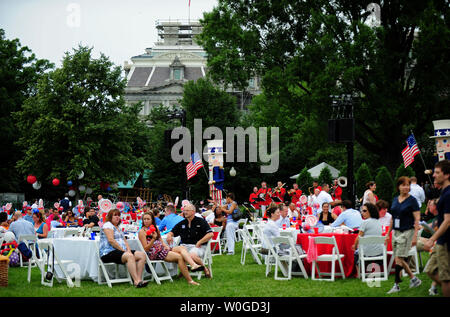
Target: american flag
410,151
194,165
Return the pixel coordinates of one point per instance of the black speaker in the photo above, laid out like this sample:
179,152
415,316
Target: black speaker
346,130
333,131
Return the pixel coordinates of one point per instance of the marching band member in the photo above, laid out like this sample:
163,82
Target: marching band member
279,192
336,191
263,193
295,193
255,204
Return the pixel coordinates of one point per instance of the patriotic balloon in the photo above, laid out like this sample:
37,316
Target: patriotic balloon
105,205
36,185
31,179
55,182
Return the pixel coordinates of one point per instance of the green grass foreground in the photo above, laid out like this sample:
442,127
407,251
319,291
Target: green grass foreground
230,279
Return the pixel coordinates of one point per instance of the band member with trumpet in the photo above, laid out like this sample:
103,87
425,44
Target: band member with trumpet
295,193
264,193
256,205
279,192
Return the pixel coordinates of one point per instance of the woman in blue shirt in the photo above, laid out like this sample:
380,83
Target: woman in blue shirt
405,223
39,225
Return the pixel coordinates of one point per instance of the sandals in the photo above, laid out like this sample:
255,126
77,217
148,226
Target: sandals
141,284
199,268
207,273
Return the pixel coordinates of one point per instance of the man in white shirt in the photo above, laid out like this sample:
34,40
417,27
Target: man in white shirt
416,191
284,217
324,197
292,211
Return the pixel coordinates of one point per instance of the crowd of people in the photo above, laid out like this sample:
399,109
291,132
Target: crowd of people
399,220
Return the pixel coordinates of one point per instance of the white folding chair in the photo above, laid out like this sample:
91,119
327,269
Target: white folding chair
285,251
46,248
152,266
238,230
95,229
217,241
332,257
270,258
373,276
249,245
102,270
207,261
30,240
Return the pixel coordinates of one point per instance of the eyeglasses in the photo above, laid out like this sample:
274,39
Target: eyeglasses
364,210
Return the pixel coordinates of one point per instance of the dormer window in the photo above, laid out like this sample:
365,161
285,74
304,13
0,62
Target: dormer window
176,69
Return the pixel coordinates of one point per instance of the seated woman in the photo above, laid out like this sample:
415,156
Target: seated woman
326,217
370,226
156,249
70,219
271,229
39,225
114,248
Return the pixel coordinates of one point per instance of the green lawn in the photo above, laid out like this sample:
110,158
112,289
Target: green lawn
231,279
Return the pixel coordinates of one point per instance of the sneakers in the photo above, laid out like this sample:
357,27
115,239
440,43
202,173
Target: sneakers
394,289
415,282
432,292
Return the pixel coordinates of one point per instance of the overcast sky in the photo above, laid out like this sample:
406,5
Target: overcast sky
118,28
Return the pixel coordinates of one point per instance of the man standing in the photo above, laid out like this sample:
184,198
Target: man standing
295,193
195,233
325,197
170,220
442,236
65,203
252,201
416,191
263,193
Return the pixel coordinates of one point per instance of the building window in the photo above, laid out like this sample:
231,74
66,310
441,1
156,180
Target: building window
177,74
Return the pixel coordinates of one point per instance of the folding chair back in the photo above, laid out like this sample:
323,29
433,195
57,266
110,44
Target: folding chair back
102,270
249,245
53,261
30,240
333,257
377,275
152,266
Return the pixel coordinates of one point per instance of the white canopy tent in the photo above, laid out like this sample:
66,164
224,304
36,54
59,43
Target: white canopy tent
315,171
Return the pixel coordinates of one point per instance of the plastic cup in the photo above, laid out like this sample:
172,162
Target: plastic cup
284,226
316,230
92,235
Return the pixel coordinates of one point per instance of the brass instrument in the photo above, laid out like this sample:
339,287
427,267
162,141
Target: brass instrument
309,190
276,190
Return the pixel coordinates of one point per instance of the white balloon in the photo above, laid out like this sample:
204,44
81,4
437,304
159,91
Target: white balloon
81,188
36,185
71,193
81,175
88,190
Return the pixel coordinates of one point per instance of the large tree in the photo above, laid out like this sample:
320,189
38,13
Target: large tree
306,51
19,73
78,121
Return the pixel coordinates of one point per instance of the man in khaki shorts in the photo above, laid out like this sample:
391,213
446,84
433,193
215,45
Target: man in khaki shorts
442,235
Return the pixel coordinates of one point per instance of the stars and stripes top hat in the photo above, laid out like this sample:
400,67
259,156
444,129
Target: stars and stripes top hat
441,128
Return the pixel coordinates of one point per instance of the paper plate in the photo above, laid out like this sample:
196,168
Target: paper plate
303,199
311,220
105,205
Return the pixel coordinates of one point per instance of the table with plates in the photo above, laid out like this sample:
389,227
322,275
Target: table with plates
83,252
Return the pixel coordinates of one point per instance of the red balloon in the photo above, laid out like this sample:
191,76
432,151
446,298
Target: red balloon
55,182
31,179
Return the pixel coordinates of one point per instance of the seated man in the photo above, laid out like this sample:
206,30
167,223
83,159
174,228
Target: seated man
349,217
170,219
284,217
91,219
195,233
21,226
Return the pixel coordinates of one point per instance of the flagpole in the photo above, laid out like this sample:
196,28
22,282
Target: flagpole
421,157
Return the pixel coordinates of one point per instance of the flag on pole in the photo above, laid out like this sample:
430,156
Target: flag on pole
410,151
194,165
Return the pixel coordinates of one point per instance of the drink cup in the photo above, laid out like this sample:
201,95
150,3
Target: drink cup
316,230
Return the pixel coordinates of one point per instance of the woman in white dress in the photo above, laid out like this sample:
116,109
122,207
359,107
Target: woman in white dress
369,196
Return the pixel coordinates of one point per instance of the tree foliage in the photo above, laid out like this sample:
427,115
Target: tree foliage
325,176
305,51
304,180
362,177
385,184
78,121
19,73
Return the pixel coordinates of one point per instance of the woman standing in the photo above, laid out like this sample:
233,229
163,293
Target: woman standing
405,223
156,249
114,248
326,217
369,196
39,225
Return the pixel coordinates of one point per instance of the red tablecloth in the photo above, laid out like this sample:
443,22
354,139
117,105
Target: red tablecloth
344,243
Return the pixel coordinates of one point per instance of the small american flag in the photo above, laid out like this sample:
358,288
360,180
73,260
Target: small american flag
410,150
194,165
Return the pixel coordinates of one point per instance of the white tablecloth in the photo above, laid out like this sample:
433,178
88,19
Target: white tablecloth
58,232
83,252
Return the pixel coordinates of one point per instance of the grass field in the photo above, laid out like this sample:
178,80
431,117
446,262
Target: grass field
231,279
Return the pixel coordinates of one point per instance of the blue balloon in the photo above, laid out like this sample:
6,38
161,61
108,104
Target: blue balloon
108,189
69,183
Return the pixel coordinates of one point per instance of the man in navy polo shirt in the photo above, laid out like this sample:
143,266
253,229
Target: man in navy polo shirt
442,236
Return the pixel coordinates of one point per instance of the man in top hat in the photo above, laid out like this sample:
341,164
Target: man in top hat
442,136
